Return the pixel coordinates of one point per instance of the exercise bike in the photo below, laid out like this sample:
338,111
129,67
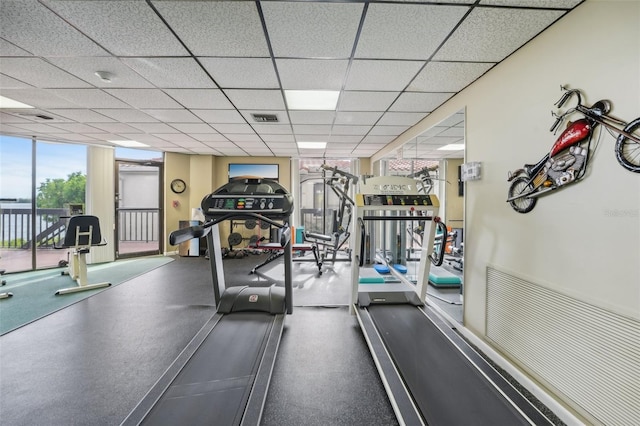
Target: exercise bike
568,159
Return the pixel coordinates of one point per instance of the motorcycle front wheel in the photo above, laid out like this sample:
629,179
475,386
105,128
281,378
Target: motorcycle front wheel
628,151
519,186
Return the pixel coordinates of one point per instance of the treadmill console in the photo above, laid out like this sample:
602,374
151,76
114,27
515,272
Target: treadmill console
261,196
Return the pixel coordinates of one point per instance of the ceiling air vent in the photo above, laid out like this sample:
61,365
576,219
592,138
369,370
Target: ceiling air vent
265,118
43,117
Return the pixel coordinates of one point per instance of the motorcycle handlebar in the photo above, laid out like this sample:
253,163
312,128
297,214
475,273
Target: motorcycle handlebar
556,123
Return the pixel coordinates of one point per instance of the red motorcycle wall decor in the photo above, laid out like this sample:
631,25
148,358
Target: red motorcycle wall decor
568,159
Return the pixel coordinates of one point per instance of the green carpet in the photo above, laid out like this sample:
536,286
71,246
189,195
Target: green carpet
34,292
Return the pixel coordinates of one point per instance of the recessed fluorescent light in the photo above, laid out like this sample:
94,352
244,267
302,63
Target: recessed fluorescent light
129,144
452,147
312,99
312,145
10,103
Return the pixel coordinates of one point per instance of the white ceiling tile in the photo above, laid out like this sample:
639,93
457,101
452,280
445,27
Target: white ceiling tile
415,101
40,128
205,150
26,23
216,28
406,31
533,3
10,49
272,129
38,98
90,98
38,73
366,101
311,129
86,67
145,98
173,115
347,139
243,137
193,127
312,117
247,73
84,115
256,99
200,98
75,137
377,139
7,82
448,76
388,130
308,30
227,116
127,115
312,74
171,72
350,130
401,118
209,137
114,128
178,138
139,31
76,127
233,128
280,141
14,117
223,144
381,74
253,143
357,118
495,32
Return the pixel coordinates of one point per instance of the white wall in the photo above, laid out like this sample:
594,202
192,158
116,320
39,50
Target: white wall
582,241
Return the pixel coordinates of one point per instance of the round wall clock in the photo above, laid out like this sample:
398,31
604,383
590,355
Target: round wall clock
178,186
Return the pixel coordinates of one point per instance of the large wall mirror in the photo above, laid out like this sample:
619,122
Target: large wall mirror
434,157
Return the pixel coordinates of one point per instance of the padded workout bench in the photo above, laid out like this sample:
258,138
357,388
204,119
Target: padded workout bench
276,250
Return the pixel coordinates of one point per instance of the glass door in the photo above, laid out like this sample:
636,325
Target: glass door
138,208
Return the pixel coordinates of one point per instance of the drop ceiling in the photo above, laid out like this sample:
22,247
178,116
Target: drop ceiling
189,76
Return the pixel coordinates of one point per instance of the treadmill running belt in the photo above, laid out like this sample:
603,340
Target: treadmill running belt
445,387
214,385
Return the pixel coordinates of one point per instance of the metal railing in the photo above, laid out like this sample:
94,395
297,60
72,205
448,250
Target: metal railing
138,224
16,227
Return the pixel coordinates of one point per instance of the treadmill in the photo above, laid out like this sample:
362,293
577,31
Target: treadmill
431,375
222,376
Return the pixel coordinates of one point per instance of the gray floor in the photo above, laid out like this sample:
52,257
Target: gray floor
91,363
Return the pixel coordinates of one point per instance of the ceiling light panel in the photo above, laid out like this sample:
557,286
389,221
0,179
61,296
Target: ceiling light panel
38,73
140,31
249,73
85,67
216,28
495,32
27,23
406,31
171,72
312,30
312,74
447,76
145,98
312,99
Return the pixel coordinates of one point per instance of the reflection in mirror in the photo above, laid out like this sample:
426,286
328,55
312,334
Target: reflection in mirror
434,158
